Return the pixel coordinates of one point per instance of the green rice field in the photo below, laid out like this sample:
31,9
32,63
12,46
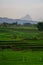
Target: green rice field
20,38
9,57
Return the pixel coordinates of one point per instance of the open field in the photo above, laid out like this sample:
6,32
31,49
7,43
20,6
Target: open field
20,38
9,57
21,35
21,46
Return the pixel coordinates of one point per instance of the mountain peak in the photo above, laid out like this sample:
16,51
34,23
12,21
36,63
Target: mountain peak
27,17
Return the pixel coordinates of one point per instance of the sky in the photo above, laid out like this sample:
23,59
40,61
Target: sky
19,8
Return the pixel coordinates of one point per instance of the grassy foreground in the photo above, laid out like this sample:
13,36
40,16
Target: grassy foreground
20,36
9,57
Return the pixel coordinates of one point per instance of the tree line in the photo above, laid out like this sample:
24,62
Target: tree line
39,25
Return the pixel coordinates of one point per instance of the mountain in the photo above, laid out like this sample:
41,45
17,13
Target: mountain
25,19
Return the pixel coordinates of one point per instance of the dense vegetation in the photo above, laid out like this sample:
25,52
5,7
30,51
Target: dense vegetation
21,45
40,26
9,57
21,36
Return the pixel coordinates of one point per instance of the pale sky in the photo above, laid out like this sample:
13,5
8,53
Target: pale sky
19,8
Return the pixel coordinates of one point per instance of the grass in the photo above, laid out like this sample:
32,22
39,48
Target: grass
9,57
20,35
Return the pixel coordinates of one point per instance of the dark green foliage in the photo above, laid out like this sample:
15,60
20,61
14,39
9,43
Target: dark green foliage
9,57
40,26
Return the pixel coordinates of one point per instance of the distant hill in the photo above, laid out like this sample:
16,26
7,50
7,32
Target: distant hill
25,19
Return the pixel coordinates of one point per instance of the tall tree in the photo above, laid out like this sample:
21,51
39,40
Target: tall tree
40,26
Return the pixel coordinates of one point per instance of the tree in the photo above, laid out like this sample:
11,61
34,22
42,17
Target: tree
40,26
